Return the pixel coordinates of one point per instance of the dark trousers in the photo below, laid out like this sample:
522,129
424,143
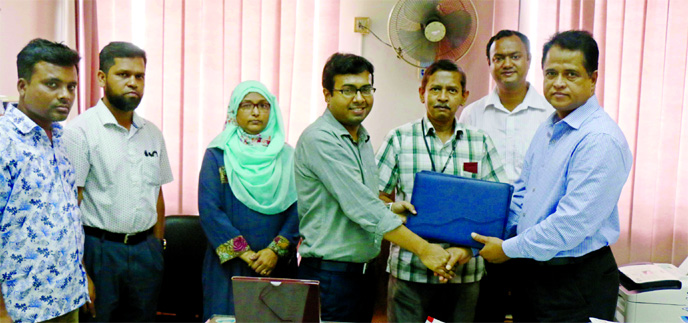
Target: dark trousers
494,301
344,296
571,292
127,278
414,302
71,317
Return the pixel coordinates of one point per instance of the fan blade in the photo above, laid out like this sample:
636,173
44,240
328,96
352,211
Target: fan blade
406,38
445,50
458,26
445,7
419,10
415,44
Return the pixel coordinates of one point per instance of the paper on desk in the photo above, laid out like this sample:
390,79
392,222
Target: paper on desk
683,268
221,319
596,320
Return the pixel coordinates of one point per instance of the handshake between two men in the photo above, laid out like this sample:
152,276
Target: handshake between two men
438,259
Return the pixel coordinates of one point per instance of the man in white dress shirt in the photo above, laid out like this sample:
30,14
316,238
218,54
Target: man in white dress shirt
510,115
121,163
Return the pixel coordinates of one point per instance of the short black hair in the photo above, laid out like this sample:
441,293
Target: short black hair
119,49
443,65
507,33
41,50
343,63
575,40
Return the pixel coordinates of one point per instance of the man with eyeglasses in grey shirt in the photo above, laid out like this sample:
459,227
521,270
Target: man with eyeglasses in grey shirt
342,221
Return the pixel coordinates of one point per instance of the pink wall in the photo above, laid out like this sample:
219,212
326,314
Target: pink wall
23,20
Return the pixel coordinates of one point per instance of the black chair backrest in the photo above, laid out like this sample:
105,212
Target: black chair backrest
182,292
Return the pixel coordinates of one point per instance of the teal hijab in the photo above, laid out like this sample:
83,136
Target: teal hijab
260,168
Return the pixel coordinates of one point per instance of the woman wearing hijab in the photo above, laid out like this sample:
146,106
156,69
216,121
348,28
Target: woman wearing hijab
247,198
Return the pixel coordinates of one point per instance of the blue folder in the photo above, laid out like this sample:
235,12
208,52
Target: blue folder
451,207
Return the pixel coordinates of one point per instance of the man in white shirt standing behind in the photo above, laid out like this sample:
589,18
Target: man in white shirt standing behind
121,163
510,115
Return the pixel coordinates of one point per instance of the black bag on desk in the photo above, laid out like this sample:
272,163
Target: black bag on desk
258,299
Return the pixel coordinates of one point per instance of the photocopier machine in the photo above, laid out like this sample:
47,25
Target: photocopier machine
653,292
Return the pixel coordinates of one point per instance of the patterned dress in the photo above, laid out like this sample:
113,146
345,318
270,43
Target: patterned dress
231,229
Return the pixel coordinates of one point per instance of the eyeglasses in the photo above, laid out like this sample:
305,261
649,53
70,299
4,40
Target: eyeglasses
248,106
351,91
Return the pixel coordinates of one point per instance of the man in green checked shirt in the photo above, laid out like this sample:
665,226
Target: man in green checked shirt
436,142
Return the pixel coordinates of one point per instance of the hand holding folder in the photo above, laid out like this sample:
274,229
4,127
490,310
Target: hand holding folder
451,207
492,251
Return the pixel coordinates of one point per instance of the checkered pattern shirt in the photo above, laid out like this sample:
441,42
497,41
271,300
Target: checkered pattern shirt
403,153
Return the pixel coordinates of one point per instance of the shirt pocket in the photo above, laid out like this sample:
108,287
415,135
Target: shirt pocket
150,168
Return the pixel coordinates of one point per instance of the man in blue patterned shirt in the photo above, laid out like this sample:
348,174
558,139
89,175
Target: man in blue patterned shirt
564,206
41,239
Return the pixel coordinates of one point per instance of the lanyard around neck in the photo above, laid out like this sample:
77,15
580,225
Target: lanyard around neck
427,148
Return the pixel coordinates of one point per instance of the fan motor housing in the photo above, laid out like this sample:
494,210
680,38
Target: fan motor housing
435,31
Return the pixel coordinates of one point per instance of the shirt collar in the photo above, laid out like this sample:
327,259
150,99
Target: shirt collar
576,118
25,125
531,96
106,117
339,128
430,128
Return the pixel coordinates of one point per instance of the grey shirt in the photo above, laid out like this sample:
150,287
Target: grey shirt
341,217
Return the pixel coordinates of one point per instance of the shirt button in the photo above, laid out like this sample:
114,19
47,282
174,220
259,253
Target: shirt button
533,190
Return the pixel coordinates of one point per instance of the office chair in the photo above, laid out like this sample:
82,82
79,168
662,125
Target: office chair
181,297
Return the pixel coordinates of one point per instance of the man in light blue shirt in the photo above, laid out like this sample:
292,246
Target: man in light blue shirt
564,207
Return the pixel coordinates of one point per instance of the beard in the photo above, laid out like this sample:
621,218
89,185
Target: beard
121,102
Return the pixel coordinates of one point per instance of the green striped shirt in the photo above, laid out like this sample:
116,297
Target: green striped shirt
403,153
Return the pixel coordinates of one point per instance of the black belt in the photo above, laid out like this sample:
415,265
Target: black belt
340,266
125,238
561,261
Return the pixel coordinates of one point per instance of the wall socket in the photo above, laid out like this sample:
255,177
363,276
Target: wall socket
362,25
